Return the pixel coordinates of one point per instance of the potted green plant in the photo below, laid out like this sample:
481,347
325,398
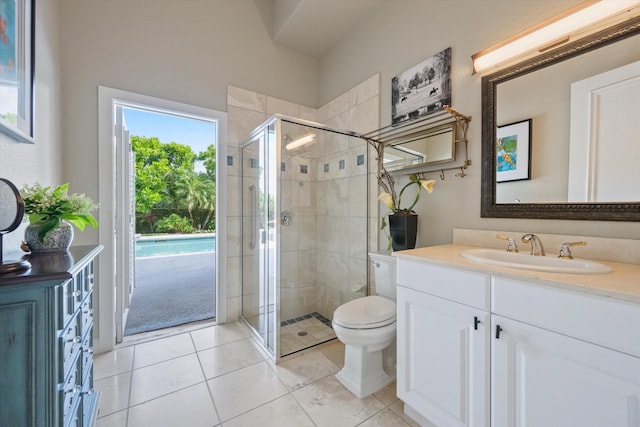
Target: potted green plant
403,222
50,212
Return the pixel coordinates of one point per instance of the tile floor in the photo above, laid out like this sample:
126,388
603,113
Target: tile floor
217,376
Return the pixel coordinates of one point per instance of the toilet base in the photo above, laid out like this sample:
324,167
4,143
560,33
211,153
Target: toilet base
363,374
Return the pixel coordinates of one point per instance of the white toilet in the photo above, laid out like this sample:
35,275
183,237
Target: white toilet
367,326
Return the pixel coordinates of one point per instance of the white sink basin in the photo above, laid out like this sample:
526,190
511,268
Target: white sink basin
548,263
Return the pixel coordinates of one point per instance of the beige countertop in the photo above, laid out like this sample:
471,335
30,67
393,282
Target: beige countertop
622,283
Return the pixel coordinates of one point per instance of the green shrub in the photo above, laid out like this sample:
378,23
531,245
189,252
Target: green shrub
174,223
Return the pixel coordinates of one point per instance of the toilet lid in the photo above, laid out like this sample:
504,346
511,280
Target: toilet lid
365,313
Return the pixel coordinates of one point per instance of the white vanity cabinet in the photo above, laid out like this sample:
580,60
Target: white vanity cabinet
542,355
563,358
443,344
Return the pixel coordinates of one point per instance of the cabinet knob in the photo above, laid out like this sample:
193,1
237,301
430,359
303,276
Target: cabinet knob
498,330
76,293
73,389
476,322
76,340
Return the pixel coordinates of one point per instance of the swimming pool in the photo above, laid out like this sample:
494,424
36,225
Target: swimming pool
149,246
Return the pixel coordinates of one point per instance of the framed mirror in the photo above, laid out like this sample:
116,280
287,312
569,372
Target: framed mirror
433,146
540,90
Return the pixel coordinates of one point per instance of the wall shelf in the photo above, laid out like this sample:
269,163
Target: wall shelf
414,130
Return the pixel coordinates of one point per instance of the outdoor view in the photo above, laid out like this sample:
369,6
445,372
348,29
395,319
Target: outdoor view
175,196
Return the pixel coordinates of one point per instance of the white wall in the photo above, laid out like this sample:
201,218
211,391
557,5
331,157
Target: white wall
185,51
27,163
189,51
405,33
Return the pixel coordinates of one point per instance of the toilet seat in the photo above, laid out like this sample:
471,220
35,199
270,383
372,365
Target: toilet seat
365,313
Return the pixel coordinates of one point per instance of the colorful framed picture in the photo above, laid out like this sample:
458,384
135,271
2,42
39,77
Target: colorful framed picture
513,151
422,89
16,68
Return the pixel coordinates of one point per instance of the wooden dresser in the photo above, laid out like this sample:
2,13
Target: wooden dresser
46,341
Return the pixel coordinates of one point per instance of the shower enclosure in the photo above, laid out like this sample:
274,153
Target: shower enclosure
304,230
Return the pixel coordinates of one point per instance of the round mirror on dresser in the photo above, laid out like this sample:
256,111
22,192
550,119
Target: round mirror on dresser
11,213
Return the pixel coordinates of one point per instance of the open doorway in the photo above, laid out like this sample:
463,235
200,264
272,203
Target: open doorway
116,269
173,181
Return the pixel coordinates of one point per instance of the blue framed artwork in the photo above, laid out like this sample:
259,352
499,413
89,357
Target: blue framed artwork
513,151
16,68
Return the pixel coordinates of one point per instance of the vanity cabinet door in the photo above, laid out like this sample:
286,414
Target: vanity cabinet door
443,359
541,378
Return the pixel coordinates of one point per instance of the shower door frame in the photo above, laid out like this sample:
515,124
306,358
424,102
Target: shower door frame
273,147
270,337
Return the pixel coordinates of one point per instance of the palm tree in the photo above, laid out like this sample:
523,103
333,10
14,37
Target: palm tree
197,194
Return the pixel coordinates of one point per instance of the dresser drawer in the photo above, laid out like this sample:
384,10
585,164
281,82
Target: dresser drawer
64,301
70,394
466,287
69,345
86,314
88,274
77,294
604,321
88,399
87,356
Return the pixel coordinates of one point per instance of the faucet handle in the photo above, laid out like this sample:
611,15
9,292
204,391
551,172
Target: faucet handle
511,243
565,251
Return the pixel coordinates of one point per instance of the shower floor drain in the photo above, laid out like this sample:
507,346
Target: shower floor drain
302,333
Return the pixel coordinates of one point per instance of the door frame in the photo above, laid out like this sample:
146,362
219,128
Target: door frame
105,332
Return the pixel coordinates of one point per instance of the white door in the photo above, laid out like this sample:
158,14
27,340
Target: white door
604,133
444,359
125,221
542,379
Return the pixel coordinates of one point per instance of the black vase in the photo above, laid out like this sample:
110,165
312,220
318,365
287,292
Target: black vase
403,230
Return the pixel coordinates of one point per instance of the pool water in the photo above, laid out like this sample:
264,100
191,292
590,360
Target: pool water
173,246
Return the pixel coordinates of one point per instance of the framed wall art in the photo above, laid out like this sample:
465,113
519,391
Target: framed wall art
422,89
17,68
513,151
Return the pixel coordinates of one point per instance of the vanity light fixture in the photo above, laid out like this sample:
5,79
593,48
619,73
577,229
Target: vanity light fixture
301,142
574,23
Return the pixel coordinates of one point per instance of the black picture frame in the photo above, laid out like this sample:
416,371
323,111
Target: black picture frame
422,89
513,151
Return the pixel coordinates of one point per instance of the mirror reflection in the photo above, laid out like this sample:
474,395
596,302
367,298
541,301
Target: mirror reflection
545,97
426,148
581,168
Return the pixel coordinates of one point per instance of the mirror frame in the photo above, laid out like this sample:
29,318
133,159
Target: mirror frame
573,211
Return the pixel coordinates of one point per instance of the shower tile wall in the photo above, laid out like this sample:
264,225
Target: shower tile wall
322,260
298,273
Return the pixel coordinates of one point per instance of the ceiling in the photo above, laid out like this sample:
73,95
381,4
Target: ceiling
313,26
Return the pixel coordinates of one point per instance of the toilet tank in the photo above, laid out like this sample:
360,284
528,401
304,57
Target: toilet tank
384,268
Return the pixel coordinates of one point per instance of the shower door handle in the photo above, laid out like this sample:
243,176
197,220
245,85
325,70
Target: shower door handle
254,213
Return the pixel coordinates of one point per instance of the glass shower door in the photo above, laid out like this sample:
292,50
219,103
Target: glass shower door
253,263
258,236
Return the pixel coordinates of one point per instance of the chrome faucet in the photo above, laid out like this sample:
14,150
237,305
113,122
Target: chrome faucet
565,251
536,244
511,244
